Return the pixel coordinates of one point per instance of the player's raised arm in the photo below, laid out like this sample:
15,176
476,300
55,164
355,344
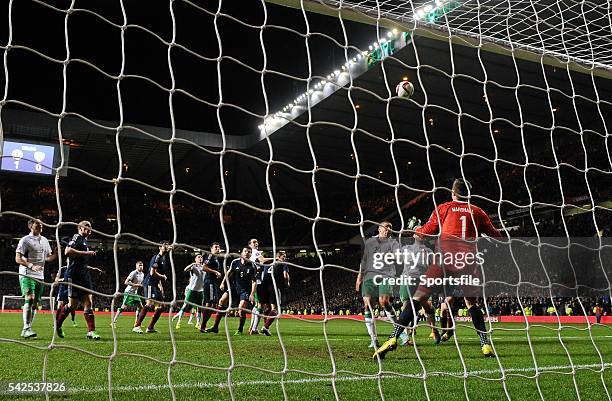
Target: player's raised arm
263,260
430,228
485,225
256,254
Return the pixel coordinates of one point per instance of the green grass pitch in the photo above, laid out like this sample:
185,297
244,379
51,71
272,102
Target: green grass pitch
141,369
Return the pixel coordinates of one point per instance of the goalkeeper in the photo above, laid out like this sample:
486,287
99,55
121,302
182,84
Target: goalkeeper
456,223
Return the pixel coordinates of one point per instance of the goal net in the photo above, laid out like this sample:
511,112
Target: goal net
224,121
16,302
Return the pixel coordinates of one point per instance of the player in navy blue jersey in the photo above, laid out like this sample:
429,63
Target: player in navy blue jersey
78,281
62,295
241,282
212,281
274,278
154,289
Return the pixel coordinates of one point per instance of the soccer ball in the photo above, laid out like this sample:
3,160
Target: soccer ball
404,89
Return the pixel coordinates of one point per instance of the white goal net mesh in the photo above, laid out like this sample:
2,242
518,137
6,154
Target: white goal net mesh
224,121
568,30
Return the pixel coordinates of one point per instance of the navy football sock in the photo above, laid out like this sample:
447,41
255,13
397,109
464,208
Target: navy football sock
479,324
406,318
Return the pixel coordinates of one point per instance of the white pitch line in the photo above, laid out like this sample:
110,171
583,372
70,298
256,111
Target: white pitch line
223,385
364,339
462,339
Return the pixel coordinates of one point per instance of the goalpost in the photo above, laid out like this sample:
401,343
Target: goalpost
16,302
512,95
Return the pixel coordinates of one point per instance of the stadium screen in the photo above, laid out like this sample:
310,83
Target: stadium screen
25,157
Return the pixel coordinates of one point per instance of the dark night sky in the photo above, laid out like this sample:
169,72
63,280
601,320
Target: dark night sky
38,81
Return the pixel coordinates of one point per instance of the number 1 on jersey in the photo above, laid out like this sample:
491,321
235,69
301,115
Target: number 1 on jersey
463,226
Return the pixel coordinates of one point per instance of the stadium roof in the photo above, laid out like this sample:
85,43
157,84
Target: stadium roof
564,31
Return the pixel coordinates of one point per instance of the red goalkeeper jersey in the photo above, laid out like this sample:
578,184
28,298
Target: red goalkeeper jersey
457,225
458,220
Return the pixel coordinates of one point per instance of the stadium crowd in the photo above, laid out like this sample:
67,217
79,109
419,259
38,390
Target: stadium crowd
305,295
151,218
